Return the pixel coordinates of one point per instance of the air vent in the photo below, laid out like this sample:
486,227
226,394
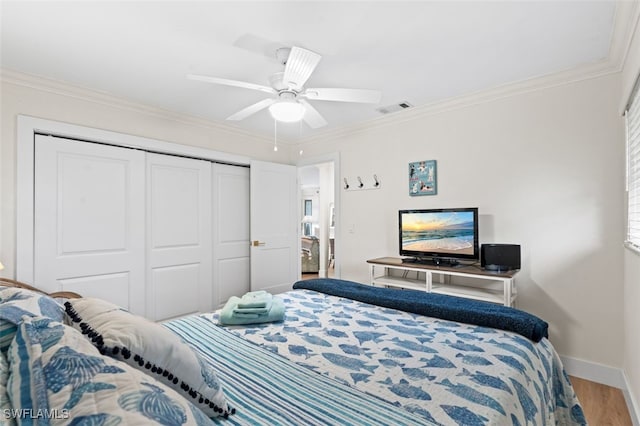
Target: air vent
394,108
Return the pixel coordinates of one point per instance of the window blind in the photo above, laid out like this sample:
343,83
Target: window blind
633,170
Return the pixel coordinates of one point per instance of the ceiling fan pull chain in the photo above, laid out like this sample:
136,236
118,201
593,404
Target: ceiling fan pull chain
275,135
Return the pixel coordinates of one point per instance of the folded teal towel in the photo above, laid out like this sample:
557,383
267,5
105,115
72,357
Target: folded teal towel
249,311
255,299
228,317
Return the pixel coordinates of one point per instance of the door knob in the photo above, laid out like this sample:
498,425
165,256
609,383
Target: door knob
256,243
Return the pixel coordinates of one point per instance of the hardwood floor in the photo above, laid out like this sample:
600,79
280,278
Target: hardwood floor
310,276
603,405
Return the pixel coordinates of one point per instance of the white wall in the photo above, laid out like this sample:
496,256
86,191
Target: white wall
545,169
630,73
44,99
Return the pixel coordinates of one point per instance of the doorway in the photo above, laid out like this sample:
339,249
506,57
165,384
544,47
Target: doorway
317,220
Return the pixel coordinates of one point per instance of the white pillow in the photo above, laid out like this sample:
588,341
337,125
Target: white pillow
57,374
151,348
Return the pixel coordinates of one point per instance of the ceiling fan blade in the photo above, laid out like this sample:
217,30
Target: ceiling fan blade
251,109
235,83
343,95
311,116
300,65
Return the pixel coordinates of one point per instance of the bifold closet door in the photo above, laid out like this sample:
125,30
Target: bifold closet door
178,236
231,261
89,220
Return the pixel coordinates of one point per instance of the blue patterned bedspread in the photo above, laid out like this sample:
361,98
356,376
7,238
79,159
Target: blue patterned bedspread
446,372
269,390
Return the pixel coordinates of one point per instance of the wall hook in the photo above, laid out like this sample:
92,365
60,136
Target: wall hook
346,184
376,184
360,185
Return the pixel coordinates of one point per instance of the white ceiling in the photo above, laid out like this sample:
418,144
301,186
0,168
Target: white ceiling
418,51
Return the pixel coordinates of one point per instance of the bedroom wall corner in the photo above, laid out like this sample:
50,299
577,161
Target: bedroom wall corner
614,377
631,349
632,402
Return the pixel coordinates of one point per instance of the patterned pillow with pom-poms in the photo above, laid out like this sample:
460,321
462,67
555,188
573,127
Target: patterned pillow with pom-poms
151,348
60,377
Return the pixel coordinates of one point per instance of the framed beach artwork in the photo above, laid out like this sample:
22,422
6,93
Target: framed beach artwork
423,178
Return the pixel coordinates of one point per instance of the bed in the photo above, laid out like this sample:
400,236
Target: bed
334,360
437,371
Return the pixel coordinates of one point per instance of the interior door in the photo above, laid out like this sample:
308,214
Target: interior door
178,236
231,261
275,257
89,204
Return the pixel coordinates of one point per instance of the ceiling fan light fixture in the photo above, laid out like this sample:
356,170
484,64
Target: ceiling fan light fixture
289,101
287,111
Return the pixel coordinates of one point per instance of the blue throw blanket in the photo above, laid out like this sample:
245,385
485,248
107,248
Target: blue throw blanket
435,305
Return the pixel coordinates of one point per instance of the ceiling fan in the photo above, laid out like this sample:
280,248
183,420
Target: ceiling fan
289,102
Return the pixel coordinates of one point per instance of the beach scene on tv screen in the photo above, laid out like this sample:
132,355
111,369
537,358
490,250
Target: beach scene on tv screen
444,232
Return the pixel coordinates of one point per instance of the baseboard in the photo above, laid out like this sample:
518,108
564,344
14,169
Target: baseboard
595,372
632,406
605,375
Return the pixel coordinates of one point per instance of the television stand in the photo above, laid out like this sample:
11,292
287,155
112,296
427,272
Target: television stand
480,284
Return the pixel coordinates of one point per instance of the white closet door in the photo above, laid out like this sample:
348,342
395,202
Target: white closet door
275,242
231,261
88,220
178,236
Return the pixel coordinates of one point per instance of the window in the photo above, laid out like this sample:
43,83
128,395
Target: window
632,115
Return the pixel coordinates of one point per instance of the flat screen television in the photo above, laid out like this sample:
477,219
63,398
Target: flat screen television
439,235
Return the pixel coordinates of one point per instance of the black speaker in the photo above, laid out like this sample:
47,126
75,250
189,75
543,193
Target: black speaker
500,257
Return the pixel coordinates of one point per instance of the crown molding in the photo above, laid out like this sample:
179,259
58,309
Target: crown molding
485,96
625,27
634,32
91,95
625,24
587,72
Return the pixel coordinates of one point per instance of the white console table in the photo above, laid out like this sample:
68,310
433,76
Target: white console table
488,286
